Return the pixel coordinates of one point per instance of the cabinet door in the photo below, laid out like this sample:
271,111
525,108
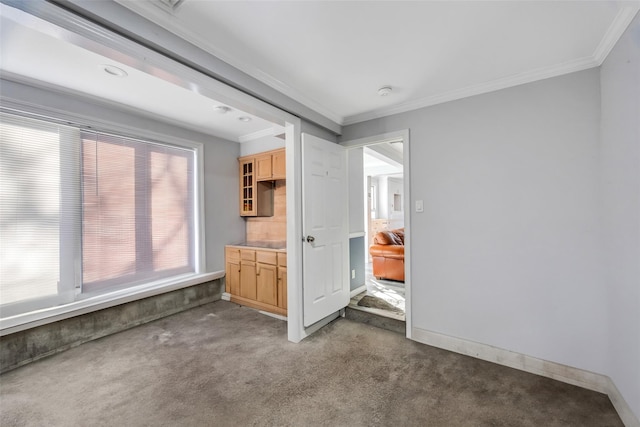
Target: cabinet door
264,170
233,277
279,164
248,204
267,288
282,287
232,270
248,279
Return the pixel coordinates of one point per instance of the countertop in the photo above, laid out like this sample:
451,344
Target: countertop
262,245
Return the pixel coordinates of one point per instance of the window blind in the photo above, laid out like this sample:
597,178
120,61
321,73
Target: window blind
39,213
84,213
137,211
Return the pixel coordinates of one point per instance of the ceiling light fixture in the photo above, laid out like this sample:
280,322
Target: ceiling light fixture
222,109
244,119
114,71
384,90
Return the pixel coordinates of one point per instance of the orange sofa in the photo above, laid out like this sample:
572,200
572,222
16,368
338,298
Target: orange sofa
387,253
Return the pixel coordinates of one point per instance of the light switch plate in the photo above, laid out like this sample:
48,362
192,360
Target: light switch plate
419,206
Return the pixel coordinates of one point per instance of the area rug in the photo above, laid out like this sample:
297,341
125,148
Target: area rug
373,302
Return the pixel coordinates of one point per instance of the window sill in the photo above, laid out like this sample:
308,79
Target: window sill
32,319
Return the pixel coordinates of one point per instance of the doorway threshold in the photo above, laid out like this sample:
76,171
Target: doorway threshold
360,315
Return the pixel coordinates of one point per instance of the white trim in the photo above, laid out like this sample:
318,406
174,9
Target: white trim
357,234
611,37
274,315
629,419
479,89
295,328
258,134
557,371
358,290
173,24
614,32
512,359
32,319
404,136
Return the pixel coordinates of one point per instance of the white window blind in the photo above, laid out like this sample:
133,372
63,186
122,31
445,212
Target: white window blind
137,211
39,214
84,213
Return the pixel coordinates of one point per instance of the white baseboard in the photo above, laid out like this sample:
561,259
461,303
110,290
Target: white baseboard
622,407
357,291
274,315
556,371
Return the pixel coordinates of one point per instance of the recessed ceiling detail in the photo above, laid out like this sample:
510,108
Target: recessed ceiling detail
43,55
114,71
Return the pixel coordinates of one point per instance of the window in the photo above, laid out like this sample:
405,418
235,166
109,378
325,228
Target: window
84,213
137,211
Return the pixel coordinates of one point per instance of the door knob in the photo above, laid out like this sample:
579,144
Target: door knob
310,239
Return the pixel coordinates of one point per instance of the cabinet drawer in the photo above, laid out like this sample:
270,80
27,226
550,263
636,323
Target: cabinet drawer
232,253
266,257
282,259
247,255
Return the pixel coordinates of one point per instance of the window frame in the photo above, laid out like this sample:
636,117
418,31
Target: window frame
89,302
139,277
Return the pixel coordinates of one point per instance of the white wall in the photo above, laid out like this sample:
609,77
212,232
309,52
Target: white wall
356,190
508,249
383,197
223,224
395,187
620,77
266,143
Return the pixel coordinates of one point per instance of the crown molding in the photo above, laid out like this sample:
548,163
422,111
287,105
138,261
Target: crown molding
172,24
614,32
258,134
611,37
479,89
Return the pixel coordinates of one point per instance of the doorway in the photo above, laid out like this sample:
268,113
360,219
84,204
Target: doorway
378,166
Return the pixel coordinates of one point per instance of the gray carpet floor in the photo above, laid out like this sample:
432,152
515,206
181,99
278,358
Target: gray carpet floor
225,365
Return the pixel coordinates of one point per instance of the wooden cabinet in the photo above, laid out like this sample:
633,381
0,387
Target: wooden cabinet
271,165
248,271
232,270
279,164
256,197
282,280
257,278
247,187
264,167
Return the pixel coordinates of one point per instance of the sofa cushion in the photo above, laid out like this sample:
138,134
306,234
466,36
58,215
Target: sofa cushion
389,237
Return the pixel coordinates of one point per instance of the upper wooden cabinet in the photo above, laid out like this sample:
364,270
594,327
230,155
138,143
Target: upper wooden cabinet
248,205
256,197
271,165
257,173
279,164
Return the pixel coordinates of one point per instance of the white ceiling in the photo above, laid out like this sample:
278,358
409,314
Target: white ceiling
29,53
333,56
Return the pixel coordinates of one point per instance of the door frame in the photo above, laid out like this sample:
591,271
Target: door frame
404,136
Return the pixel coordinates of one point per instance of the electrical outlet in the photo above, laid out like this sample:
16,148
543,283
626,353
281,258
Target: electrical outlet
353,274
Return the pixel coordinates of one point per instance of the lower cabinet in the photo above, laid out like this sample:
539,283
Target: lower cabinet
257,278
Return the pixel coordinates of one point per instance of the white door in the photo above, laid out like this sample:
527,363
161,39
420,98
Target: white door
325,226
